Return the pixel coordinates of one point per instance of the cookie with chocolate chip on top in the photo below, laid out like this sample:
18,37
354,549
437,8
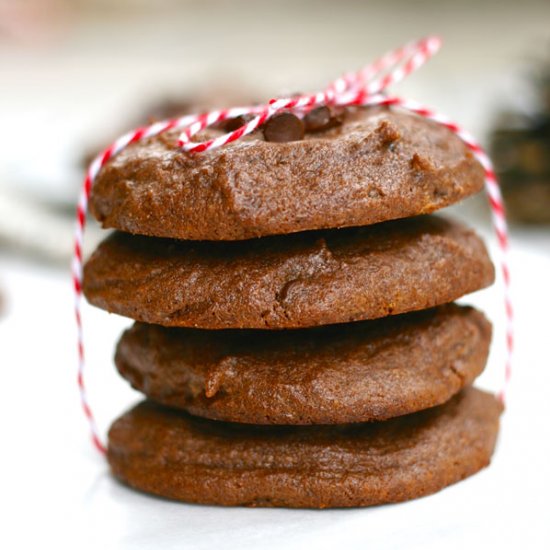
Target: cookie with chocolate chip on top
332,168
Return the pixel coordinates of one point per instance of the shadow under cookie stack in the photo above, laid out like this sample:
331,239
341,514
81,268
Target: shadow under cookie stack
296,338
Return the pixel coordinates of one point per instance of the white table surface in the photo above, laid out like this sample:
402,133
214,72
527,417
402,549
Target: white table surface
57,490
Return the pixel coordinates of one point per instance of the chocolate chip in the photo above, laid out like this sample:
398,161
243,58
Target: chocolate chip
232,124
317,119
283,127
324,118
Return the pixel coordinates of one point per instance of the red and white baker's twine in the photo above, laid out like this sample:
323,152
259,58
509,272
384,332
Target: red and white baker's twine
364,88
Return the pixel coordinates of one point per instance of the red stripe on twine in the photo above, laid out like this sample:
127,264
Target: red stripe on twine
506,274
78,251
496,205
87,185
138,134
81,215
107,154
490,174
98,444
455,129
502,238
77,287
361,88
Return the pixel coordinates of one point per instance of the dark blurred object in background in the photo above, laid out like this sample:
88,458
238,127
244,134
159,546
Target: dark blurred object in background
520,148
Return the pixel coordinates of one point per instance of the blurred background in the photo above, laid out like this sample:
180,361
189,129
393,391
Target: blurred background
74,74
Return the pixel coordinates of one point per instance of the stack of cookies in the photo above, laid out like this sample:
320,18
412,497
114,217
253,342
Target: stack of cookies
296,338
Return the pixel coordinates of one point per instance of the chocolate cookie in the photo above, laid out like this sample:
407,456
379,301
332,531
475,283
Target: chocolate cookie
174,455
376,165
372,370
299,280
